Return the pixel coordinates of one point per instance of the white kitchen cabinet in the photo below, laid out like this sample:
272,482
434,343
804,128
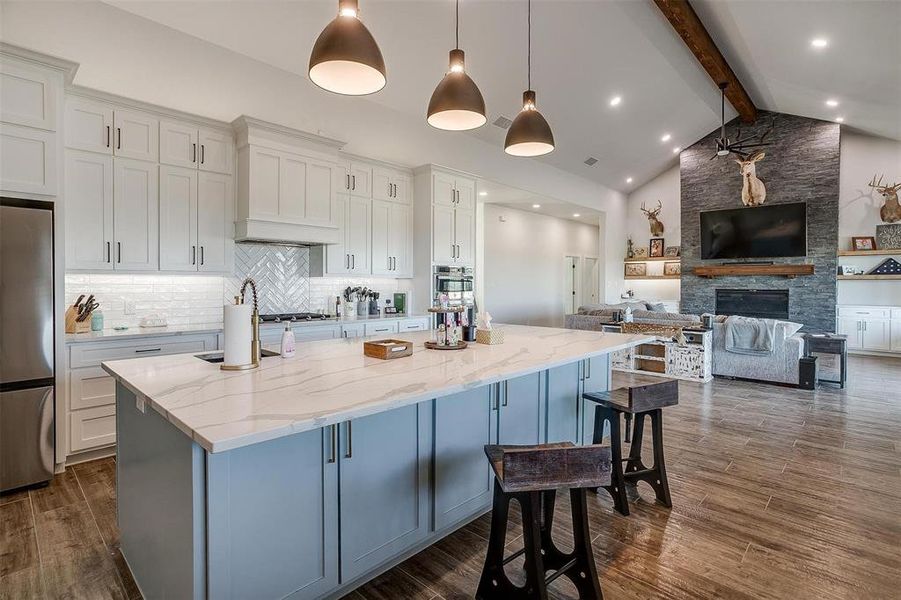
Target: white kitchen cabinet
195,209
444,249
851,328
356,179
444,192
136,135
89,211
28,162
870,328
217,151
896,335
358,234
90,387
215,222
876,335
92,428
380,327
390,238
28,94
412,325
390,186
178,144
135,215
466,193
464,236
89,125
353,330
185,145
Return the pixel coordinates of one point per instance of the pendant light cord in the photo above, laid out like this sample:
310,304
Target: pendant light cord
458,25
529,51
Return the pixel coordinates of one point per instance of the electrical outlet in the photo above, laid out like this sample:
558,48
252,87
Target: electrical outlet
140,404
129,307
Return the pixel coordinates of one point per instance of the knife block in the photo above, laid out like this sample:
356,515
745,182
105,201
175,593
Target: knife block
73,326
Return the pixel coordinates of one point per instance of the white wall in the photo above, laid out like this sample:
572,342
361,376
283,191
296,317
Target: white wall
665,188
127,55
523,272
862,157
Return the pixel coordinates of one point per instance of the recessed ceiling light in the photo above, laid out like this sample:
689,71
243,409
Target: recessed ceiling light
628,180
839,119
483,193
576,215
536,206
616,100
666,137
676,150
832,102
819,42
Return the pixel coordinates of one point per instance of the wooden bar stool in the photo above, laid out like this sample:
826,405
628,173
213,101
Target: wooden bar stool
644,399
531,475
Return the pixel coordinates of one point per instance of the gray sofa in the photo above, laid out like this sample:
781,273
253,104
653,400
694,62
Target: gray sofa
780,367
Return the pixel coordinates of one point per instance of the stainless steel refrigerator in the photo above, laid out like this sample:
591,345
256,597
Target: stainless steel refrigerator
26,343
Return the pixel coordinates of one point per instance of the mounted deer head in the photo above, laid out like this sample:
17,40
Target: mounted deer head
891,210
753,192
656,225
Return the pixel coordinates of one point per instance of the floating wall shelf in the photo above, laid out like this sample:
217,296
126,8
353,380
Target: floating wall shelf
653,259
888,252
870,277
653,277
790,271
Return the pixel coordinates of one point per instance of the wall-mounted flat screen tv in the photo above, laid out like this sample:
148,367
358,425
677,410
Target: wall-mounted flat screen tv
769,231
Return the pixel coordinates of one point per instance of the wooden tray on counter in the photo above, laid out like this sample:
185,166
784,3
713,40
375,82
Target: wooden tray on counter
436,346
387,349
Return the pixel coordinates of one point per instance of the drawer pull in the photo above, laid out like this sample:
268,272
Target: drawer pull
148,350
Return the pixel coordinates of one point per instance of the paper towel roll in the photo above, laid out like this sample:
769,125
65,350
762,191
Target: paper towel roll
237,331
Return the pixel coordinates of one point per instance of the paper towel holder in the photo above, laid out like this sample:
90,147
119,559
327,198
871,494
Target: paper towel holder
255,346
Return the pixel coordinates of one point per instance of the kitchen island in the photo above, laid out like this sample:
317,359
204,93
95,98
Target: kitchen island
310,475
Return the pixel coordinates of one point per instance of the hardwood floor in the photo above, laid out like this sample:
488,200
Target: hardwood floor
777,493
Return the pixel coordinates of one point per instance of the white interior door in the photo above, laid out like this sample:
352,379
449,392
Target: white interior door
570,284
589,281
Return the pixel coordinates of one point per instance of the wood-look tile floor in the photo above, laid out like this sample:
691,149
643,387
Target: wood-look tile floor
777,493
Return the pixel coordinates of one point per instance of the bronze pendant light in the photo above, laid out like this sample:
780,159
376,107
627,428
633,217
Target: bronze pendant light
530,134
457,103
345,58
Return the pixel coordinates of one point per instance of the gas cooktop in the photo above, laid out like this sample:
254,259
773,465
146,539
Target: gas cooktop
293,317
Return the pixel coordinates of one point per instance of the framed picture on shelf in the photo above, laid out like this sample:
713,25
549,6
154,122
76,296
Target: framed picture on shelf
641,253
671,252
863,243
636,269
656,247
672,268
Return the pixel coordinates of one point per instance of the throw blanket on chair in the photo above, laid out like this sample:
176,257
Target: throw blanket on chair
745,335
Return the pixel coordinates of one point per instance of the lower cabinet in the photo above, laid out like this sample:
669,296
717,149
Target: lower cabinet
290,509
464,423
563,402
595,377
383,486
519,410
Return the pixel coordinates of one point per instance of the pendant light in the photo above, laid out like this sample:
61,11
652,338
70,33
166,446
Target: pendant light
530,134
457,103
345,58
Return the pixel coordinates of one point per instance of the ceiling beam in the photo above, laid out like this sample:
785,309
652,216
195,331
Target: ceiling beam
685,21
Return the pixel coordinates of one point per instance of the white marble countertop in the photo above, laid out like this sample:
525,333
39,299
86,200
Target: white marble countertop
332,381
141,332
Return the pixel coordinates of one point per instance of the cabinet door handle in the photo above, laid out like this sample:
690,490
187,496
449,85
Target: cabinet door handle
496,404
350,440
147,350
108,256
118,252
202,147
193,255
201,256
118,138
588,368
353,185
506,388
864,325
193,152
107,136
333,444
347,182
347,261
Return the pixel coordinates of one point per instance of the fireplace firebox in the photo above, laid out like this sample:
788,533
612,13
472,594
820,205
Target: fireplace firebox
763,304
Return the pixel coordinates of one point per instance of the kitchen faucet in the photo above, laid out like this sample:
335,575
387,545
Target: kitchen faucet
255,346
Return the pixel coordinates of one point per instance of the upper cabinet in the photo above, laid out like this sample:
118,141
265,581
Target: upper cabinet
30,115
186,145
390,185
450,200
287,185
355,179
99,127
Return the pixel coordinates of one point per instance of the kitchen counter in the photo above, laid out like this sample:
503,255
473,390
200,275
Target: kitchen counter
332,381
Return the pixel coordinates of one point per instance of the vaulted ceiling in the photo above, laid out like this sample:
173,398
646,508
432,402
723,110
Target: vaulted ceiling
585,54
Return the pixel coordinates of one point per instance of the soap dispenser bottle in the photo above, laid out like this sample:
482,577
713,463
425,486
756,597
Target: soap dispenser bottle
289,346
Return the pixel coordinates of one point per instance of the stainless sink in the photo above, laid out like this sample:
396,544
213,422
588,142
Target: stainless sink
218,357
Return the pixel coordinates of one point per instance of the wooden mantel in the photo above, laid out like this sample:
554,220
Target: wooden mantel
790,271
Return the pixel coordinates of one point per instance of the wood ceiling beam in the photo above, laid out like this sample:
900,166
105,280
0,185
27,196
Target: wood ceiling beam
685,21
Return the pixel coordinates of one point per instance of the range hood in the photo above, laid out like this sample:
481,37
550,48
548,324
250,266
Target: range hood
287,186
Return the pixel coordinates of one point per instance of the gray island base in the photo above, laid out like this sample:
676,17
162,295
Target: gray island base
311,475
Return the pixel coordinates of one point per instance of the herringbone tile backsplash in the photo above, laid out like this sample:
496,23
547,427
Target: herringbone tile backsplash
282,275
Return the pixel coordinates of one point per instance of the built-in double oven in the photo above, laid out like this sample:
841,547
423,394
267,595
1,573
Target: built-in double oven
456,283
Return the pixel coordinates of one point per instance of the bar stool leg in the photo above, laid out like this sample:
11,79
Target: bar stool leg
584,574
617,486
636,470
662,487
494,582
536,587
634,463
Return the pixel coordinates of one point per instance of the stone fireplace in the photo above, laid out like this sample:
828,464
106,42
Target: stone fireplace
801,165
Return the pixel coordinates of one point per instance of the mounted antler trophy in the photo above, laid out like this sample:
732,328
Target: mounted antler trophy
656,225
891,210
753,192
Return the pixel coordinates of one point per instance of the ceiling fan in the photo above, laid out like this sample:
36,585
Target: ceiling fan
741,146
